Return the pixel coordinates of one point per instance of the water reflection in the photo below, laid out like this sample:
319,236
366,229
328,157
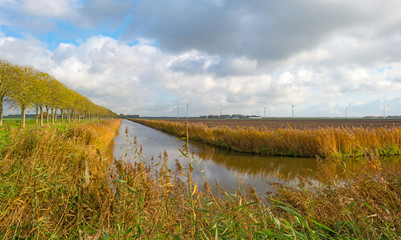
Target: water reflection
250,164
226,167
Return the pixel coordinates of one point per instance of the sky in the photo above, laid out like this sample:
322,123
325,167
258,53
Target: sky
248,57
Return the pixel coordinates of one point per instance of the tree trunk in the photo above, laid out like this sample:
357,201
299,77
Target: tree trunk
23,108
1,112
55,115
41,116
69,116
47,115
52,111
62,115
37,115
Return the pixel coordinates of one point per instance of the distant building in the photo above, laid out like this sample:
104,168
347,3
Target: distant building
128,116
237,116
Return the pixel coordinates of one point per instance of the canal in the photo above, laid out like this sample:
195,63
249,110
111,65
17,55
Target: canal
229,169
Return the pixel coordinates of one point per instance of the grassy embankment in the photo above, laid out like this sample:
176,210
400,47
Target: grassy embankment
12,124
61,184
323,142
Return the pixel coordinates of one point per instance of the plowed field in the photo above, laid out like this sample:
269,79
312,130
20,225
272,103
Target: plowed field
299,123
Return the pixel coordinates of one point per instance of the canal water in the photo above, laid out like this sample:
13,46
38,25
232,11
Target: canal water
229,169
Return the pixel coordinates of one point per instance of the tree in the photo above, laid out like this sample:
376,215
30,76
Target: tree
21,93
6,69
53,96
27,87
41,93
63,99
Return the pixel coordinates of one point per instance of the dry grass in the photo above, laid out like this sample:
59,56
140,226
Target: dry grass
49,178
324,142
364,202
297,123
45,193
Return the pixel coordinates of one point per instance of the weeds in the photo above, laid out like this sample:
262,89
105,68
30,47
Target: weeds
324,142
45,193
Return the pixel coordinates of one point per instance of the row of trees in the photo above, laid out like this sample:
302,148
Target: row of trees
25,87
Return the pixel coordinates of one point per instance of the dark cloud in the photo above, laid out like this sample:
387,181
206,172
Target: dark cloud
103,13
190,66
265,30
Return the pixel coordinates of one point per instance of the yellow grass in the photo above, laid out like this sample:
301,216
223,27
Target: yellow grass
324,142
64,185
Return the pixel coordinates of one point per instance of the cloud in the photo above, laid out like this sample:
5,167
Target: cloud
265,30
104,13
235,66
192,62
49,9
64,18
234,55
25,52
143,79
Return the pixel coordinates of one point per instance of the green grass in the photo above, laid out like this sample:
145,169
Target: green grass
8,124
14,124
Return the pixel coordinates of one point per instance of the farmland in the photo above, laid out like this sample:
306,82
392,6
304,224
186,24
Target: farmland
298,123
298,138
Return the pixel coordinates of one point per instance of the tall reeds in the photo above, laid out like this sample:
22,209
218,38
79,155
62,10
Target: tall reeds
45,193
363,203
324,142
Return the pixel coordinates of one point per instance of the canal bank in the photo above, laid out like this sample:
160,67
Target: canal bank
230,169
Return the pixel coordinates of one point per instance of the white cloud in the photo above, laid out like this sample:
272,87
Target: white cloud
25,52
140,79
319,55
53,8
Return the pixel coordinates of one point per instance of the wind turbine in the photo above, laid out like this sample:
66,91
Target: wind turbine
264,111
384,112
292,105
178,111
187,109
